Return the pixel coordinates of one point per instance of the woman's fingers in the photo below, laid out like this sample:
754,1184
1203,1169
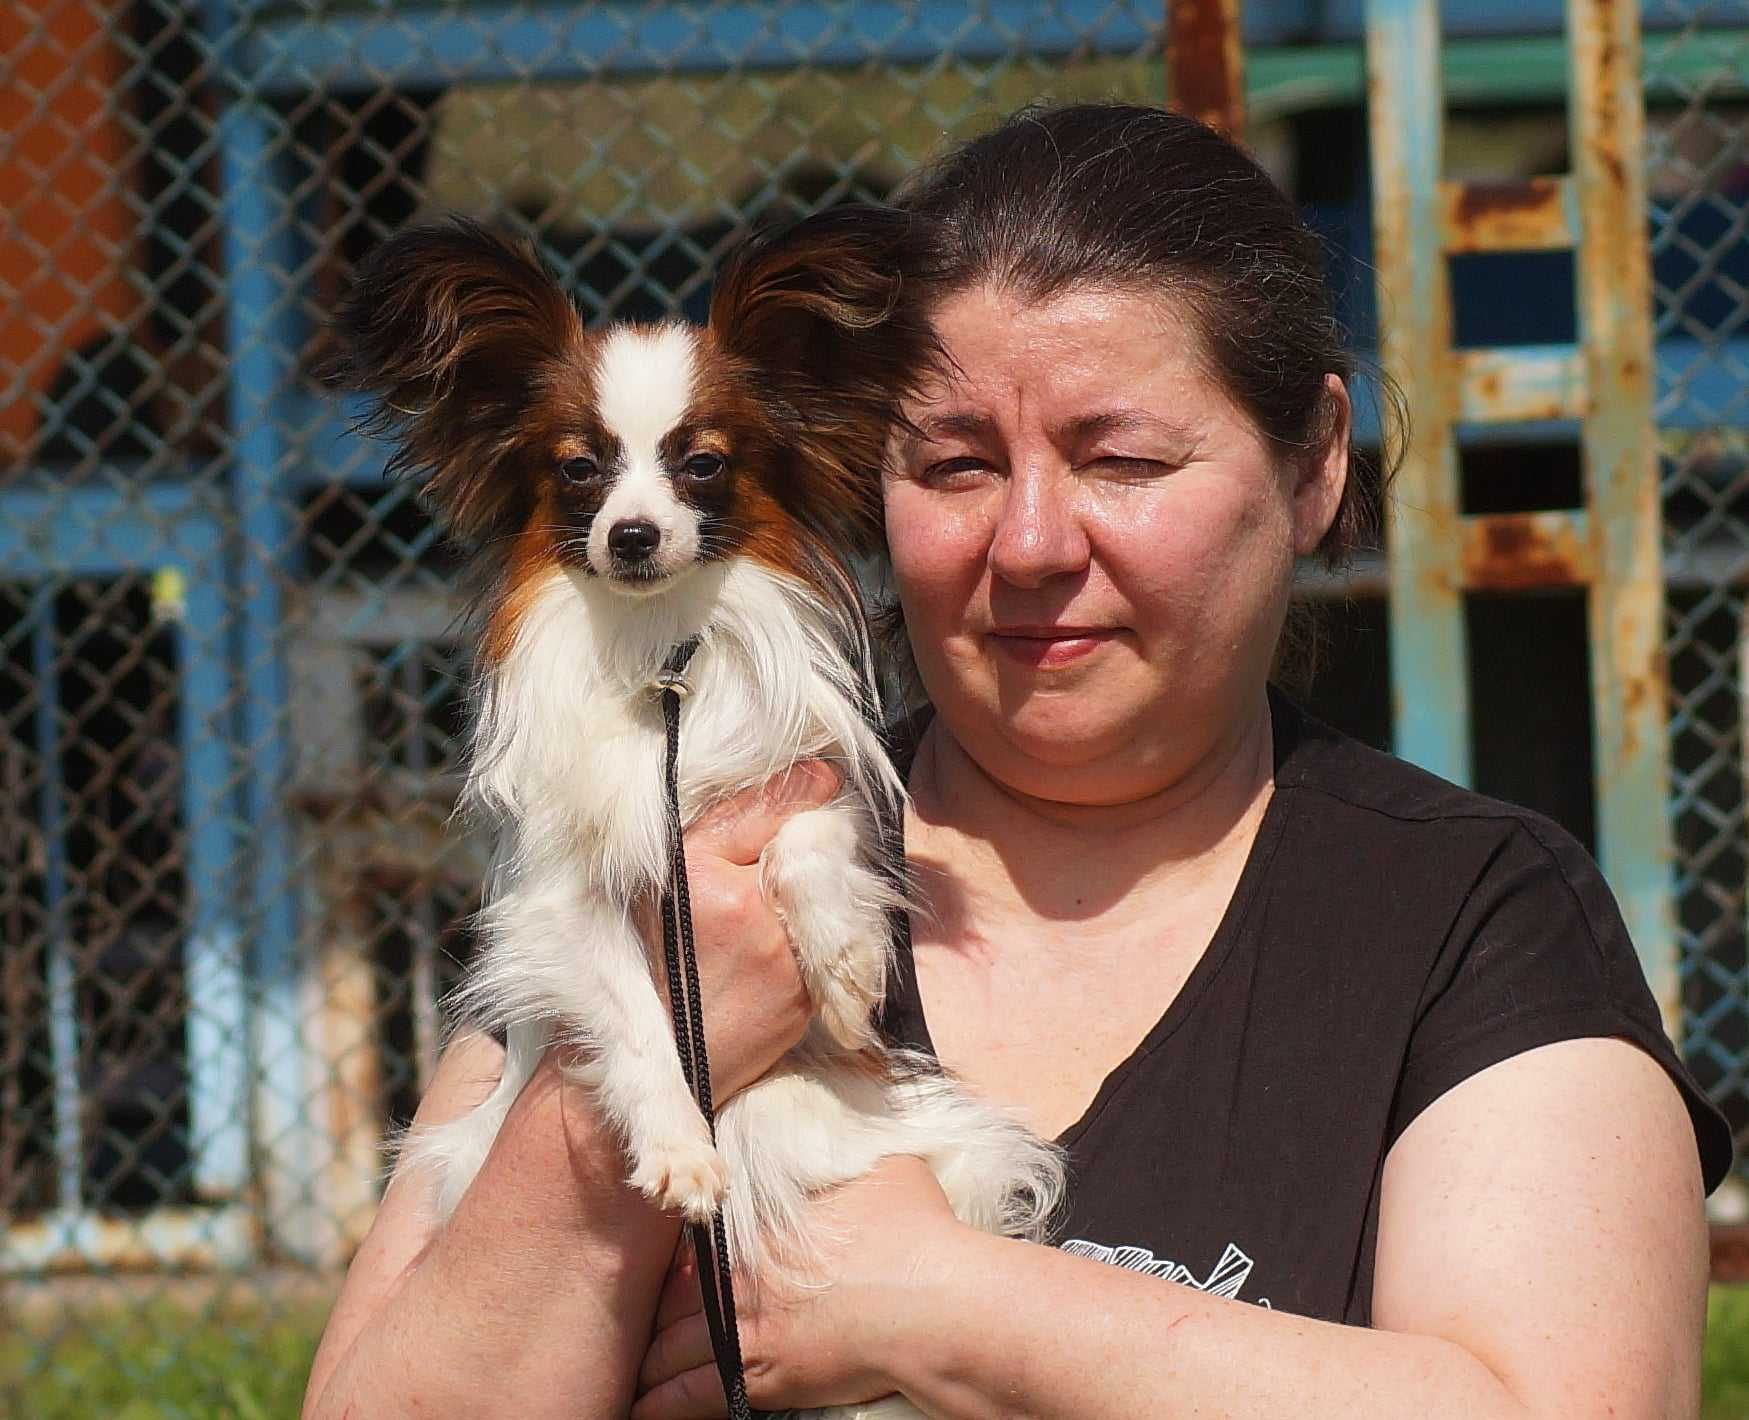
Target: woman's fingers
692,1395
739,828
675,1350
680,1295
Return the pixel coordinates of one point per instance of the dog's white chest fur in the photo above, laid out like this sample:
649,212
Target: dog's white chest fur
568,752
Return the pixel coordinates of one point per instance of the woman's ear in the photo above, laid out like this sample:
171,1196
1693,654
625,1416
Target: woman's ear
1320,480
454,332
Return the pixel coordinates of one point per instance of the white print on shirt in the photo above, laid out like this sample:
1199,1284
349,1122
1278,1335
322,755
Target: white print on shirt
1228,1277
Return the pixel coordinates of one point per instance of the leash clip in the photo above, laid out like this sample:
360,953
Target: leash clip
672,676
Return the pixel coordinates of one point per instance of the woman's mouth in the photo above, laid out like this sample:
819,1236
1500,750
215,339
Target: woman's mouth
1048,647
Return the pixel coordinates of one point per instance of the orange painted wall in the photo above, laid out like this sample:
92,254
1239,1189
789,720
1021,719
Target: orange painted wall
66,236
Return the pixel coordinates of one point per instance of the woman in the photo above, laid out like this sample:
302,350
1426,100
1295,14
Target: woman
1327,1040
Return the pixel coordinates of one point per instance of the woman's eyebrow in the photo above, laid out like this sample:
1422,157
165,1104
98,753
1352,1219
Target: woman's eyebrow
969,425
1087,427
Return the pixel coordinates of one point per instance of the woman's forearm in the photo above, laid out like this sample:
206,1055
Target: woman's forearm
535,1299
1008,1329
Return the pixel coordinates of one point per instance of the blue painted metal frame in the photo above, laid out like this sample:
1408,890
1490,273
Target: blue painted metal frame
264,330
62,983
425,45
48,537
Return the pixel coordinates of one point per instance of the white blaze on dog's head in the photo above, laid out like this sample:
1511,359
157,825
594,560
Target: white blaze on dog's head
644,531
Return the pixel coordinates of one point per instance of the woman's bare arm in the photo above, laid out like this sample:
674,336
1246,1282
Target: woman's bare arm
1542,1256
540,1287
536,1297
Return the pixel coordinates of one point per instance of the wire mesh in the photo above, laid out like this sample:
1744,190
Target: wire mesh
1698,178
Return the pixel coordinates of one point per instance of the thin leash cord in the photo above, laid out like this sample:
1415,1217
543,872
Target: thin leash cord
679,951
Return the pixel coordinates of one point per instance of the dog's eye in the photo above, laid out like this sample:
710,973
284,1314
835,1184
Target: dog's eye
579,470
702,468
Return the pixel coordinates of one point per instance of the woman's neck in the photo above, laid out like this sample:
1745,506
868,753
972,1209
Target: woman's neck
1017,853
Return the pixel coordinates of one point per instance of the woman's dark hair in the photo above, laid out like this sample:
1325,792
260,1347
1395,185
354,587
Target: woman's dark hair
1120,195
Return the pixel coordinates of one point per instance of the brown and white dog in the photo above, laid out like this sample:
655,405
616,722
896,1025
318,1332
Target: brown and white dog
628,488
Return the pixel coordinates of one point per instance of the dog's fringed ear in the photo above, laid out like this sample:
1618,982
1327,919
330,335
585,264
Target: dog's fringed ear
820,308
454,331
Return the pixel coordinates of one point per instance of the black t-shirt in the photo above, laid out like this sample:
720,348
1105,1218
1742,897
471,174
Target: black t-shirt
1390,935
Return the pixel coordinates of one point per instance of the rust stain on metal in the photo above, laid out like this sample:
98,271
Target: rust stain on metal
1205,74
1522,551
1479,200
1526,215
1644,695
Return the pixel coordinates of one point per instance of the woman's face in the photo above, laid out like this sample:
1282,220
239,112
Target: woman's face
1092,544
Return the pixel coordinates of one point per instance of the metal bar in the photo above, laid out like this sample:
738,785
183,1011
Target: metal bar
61,969
217,1029
103,531
1516,552
351,1090
1289,64
261,259
1205,62
507,43
1629,688
1429,671
1291,78
1520,384
77,1241
1715,563
422,925
1534,214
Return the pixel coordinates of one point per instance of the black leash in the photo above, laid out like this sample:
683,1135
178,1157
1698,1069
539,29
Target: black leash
710,1248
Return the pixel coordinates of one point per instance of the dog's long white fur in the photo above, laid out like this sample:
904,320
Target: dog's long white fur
567,764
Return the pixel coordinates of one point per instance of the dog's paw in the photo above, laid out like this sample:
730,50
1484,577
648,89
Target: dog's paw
847,1016
685,1177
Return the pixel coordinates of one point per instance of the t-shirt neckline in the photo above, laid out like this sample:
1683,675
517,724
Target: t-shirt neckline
1285,732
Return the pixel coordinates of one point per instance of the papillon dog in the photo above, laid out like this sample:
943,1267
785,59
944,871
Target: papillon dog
628,488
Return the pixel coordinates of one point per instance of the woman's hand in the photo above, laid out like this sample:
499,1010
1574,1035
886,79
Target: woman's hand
824,1341
756,1007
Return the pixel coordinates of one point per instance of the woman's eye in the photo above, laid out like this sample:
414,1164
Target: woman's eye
1125,466
579,470
952,470
701,468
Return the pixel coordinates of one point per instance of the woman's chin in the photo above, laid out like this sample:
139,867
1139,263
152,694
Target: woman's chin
1065,737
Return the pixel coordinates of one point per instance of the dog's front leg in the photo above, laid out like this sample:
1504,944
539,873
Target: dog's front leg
589,968
835,909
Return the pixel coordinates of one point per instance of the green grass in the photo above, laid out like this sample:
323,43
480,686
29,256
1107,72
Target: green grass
1725,1371
159,1363
162,1364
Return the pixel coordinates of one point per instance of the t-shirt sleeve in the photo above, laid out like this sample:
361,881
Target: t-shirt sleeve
1538,953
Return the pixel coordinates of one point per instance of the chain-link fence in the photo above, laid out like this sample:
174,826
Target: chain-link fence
1699,194
229,674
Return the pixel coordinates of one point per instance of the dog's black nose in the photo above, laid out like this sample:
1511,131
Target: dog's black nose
633,540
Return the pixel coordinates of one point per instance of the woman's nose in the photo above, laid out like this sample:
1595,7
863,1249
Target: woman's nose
1038,535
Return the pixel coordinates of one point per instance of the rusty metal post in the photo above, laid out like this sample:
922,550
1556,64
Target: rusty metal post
1628,681
1205,62
1429,677
1610,546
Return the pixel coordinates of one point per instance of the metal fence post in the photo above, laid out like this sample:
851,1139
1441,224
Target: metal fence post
1610,545
262,265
